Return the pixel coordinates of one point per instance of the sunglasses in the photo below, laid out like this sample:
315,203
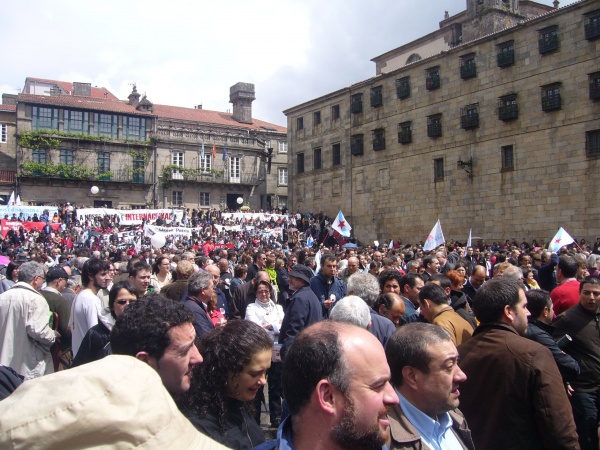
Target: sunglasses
123,302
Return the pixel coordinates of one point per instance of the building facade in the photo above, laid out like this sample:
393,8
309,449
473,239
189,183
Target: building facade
61,138
500,133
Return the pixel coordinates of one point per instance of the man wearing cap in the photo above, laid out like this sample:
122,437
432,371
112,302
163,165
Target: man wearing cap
56,281
304,307
25,333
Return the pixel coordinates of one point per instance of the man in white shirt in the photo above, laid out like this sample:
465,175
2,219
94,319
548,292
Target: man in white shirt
85,311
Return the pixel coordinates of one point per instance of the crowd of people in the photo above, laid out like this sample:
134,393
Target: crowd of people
357,347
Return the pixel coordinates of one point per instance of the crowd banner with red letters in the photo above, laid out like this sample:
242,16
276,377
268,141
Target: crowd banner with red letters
131,216
29,226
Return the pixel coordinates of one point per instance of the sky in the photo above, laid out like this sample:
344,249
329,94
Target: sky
186,53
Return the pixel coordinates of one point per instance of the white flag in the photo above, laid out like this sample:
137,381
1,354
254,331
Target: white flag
18,201
318,261
11,200
469,240
561,239
435,238
391,245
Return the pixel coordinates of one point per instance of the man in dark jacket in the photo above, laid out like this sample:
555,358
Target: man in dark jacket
581,323
326,284
200,290
514,396
540,329
304,308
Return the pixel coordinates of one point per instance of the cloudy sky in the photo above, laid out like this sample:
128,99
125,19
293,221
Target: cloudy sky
190,52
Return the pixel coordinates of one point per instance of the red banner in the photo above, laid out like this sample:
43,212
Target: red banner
6,225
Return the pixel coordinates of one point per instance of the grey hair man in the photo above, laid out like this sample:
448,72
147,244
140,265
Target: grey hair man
366,286
25,333
420,356
352,309
201,288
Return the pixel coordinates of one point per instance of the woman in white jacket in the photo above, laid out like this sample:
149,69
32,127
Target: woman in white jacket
269,315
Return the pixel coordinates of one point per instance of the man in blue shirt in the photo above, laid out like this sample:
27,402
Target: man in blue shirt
425,373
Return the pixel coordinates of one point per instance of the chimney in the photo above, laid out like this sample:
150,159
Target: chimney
555,3
242,96
54,91
82,89
134,97
9,99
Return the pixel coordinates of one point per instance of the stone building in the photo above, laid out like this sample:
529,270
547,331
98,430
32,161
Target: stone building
499,132
61,138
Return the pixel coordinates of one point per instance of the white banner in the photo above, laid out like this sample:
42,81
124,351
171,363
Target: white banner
28,211
130,216
177,232
261,216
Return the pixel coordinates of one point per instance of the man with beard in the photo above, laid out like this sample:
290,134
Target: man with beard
424,364
514,396
336,382
85,310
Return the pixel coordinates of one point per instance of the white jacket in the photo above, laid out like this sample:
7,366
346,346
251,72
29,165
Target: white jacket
25,333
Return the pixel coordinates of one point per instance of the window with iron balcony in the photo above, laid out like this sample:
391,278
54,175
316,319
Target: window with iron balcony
548,39
357,145
469,117
468,69
432,78
551,97
506,54
592,25
377,96
508,109
434,126
404,133
403,87
356,103
379,139
595,86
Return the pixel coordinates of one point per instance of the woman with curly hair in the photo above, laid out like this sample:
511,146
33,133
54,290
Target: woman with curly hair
219,402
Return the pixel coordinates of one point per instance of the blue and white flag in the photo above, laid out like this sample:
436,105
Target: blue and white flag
469,240
435,238
202,152
341,226
561,239
309,241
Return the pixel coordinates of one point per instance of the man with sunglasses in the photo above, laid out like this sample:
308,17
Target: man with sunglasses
25,332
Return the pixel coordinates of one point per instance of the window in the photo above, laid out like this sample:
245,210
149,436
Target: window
205,162
379,139
434,126
67,157
592,143
106,125
548,39
405,133
282,176
134,128
438,169
551,97
39,155
300,163
356,103
235,170
177,198
403,87
300,123
594,86
469,117
103,166
317,117
508,109
506,54
508,161
336,151
45,118
204,198
138,169
335,112
3,133
377,96
468,69
432,78
177,160
317,163
282,147
356,144
592,25
77,121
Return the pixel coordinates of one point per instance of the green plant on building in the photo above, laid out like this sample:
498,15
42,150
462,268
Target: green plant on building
61,170
186,173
